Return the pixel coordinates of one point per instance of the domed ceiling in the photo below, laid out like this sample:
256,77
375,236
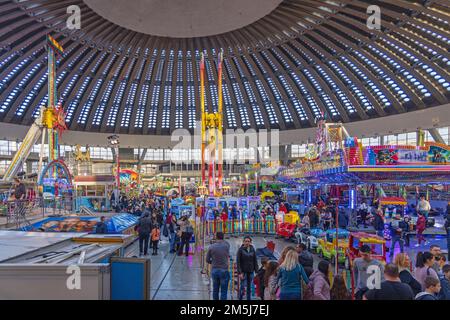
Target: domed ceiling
133,67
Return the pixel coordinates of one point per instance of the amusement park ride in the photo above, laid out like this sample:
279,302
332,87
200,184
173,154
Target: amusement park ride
51,121
212,135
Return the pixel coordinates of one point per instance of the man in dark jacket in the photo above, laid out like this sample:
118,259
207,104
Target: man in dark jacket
313,218
247,265
144,228
101,227
378,222
342,219
444,294
305,258
398,228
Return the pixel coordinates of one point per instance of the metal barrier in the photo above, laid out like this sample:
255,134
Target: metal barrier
19,210
239,227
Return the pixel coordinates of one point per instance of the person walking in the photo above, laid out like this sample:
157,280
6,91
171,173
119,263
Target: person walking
421,225
403,262
172,228
186,234
218,256
247,264
424,268
378,222
155,236
305,258
360,267
444,294
432,289
144,227
423,206
391,288
290,277
320,285
398,227
270,281
339,289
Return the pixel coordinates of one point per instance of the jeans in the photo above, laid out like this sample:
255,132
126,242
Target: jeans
172,237
155,246
380,233
185,238
246,284
220,278
394,240
290,295
143,244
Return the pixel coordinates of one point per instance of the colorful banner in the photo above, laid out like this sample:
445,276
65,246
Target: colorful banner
438,155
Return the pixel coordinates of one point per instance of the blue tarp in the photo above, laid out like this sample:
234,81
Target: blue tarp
116,224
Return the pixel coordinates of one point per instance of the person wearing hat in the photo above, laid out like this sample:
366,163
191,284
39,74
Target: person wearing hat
361,270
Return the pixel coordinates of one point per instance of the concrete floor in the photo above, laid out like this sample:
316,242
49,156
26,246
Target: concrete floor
179,278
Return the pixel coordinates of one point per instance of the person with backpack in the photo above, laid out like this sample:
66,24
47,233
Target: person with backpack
144,227
290,277
403,262
424,268
432,288
247,264
155,236
187,230
319,283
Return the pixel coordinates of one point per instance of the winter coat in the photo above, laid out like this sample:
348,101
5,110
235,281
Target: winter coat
246,260
320,286
444,294
144,225
407,278
378,223
421,223
306,259
342,220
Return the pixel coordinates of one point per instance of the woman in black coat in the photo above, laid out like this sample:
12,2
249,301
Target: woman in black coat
247,265
403,263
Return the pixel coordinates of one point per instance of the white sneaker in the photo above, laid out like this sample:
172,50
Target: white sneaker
417,245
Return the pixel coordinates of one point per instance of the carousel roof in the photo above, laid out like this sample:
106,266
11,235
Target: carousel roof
133,67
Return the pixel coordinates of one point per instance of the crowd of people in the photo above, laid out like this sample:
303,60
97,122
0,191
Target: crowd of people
294,276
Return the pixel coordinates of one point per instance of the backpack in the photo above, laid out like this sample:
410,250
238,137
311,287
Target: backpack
190,229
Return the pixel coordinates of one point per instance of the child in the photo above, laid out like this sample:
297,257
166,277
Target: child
259,279
420,227
155,239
